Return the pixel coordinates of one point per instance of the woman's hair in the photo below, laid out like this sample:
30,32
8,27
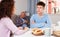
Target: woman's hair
6,8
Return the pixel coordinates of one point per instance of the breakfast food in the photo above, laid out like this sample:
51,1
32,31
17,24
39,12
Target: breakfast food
37,31
56,33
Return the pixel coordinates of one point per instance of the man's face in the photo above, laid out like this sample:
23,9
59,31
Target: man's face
23,15
40,9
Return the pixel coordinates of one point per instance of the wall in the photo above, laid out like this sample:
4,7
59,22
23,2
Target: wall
20,5
54,18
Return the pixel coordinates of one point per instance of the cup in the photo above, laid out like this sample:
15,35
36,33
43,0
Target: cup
47,32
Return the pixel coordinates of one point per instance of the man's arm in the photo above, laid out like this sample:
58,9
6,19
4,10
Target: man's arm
48,24
33,24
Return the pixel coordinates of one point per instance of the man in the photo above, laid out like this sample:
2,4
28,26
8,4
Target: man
22,20
40,20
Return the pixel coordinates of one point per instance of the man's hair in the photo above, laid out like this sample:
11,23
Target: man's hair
6,8
41,3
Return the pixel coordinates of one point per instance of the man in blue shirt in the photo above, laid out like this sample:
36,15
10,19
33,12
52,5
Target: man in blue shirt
40,20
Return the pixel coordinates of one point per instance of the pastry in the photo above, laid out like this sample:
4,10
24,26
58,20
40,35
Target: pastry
56,33
37,31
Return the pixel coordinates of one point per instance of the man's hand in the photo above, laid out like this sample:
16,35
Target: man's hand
25,21
33,22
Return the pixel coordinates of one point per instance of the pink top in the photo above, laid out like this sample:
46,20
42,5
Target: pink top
6,25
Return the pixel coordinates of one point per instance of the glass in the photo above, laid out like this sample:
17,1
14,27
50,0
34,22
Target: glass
47,32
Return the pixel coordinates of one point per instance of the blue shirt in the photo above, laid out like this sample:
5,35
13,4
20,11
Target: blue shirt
40,22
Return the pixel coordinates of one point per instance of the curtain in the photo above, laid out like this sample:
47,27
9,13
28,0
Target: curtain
32,6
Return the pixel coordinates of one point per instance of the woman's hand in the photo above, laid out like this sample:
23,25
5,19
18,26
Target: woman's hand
20,28
26,28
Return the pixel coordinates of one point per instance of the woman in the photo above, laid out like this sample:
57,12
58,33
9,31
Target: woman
6,24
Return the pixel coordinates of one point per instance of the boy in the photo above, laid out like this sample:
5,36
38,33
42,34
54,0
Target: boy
40,20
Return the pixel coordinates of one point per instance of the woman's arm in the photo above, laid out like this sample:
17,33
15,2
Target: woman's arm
10,25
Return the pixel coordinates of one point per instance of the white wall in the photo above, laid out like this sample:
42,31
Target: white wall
55,18
20,5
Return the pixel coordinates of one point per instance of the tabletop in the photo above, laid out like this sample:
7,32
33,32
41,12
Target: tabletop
29,34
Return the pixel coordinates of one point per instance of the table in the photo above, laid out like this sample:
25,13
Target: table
29,34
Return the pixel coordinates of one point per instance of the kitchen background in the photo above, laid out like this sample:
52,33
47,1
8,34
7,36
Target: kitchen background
52,8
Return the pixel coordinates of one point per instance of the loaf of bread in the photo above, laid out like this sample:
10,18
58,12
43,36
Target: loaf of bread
56,33
37,31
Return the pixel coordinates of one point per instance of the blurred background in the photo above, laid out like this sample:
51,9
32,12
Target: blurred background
52,8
